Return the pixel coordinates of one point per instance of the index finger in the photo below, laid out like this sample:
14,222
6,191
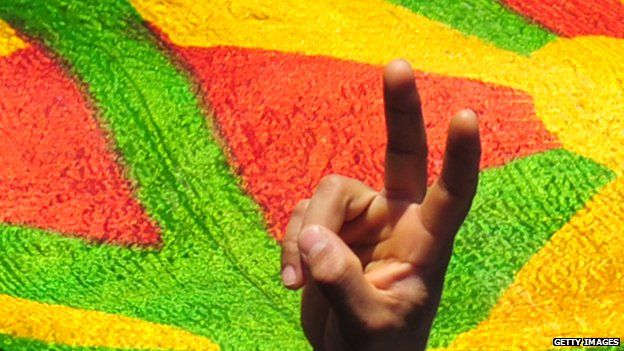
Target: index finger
406,152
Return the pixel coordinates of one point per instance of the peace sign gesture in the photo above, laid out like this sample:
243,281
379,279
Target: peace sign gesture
373,262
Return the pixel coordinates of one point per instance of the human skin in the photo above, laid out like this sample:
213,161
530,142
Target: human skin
372,263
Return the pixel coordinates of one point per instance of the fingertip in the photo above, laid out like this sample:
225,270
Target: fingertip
464,129
398,65
466,121
399,75
292,275
467,114
290,278
291,272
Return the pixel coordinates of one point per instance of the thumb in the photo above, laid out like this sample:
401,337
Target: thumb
337,272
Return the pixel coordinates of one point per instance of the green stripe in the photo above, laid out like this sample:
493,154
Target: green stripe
518,208
487,19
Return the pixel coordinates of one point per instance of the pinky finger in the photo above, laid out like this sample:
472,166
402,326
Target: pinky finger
292,272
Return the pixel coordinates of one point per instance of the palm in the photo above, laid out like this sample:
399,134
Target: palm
373,263
389,232
386,237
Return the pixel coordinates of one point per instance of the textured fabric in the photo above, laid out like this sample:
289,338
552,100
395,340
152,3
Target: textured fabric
152,151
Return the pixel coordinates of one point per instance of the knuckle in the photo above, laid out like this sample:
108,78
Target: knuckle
411,297
382,321
330,269
377,325
423,149
404,145
301,207
333,183
453,193
374,322
289,246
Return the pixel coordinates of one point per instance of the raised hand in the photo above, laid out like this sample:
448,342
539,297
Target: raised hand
372,263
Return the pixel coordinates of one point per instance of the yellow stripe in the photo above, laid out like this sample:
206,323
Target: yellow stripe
580,96
573,287
9,42
76,327
372,31
575,83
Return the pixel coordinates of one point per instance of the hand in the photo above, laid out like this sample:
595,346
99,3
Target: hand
373,263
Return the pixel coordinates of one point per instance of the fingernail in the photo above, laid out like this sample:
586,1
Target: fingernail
467,113
288,275
312,240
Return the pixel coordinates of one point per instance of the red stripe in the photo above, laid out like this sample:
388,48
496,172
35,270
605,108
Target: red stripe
57,171
572,18
290,119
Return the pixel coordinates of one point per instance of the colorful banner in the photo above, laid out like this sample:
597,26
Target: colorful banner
151,153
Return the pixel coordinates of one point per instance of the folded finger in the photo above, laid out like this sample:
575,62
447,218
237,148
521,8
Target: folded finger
336,200
292,273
